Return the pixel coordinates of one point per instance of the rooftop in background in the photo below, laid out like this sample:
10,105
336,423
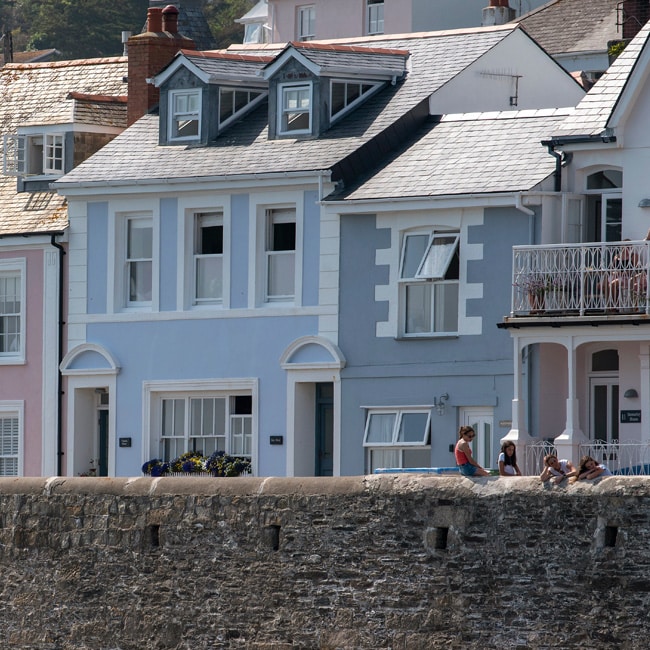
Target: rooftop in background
87,91
33,56
191,22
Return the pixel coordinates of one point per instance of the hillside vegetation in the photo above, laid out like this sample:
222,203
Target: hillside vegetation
93,28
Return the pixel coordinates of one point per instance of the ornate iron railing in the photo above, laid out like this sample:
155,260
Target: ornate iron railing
564,279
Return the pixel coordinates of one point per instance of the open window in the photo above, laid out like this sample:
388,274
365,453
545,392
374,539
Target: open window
233,103
398,438
185,115
295,114
429,279
208,258
38,154
280,254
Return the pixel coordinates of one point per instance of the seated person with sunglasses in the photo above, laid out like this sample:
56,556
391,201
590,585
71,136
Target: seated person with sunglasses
463,452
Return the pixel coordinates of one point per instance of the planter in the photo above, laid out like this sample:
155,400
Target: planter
537,302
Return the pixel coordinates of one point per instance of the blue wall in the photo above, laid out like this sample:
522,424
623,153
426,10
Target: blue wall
474,370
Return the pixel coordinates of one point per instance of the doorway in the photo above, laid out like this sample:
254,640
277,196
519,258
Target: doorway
324,429
604,409
481,419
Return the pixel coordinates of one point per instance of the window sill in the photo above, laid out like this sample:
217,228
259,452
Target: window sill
427,337
18,360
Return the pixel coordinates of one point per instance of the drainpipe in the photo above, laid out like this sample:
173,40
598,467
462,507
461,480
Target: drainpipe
558,166
59,416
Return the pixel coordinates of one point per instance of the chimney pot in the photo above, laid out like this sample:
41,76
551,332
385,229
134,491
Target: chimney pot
494,3
154,19
170,19
505,3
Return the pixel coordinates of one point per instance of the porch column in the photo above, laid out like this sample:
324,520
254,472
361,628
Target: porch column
518,433
569,441
644,392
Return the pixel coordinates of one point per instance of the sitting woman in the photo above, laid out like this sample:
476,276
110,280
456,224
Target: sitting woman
508,460
463,452
589,469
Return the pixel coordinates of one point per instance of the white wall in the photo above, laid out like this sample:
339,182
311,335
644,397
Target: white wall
488,84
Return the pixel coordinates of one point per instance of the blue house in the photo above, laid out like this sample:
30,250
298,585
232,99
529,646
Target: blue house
218,303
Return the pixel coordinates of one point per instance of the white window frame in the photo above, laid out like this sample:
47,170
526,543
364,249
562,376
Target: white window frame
375,17
273,258
13,410
428,276
128,261
396,447
9,268
155,391
187,115
349,105
284,110
20,157
214,218
306,23
254,97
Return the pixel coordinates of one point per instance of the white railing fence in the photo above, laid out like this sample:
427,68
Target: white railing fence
580,278
624,458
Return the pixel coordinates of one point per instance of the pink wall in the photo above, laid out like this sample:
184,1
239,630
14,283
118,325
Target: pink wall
24,382
336,18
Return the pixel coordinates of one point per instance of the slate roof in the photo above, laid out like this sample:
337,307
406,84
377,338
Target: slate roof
41,94
566,26
466,154
224,65
31,56
591,116
330,56
134,156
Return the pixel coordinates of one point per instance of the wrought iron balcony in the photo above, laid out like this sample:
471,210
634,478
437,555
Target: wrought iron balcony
581,279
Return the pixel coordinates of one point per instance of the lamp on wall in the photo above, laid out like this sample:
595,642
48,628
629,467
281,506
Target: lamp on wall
644,203
630,393
439,403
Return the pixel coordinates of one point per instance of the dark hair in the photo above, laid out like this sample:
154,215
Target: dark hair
548,457
463,431
509,460
583,464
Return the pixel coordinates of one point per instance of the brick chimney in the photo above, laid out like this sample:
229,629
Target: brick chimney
636,14
149,53
497,12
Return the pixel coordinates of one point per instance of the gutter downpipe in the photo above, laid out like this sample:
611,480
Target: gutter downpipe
558,166
59,415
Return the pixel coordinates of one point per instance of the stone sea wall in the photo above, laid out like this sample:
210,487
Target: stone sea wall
393,561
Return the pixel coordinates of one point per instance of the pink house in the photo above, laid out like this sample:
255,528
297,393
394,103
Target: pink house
52,117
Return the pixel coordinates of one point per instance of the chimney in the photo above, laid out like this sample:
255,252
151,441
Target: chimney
497,12
149,53
170,19
636,14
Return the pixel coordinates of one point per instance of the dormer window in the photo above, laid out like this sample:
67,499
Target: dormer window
306,23
185,114
233,101
38,154
375,16
295,109
345,94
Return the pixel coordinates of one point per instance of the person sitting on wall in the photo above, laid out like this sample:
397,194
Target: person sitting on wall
463,452
557,470
589,469
508,460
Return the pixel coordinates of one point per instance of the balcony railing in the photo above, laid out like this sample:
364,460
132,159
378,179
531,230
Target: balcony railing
579,279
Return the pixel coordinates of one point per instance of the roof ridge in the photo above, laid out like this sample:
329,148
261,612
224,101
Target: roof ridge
66,64
231,56
113,99
334,47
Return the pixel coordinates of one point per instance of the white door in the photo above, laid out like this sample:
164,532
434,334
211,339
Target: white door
481,419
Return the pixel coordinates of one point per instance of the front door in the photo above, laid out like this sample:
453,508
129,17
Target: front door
324,429
604,408
481,419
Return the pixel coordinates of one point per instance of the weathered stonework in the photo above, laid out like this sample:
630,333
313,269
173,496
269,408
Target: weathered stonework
401,562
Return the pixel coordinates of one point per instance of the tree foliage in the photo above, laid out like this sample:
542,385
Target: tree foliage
92,28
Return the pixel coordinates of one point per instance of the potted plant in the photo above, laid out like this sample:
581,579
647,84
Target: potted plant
534,285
